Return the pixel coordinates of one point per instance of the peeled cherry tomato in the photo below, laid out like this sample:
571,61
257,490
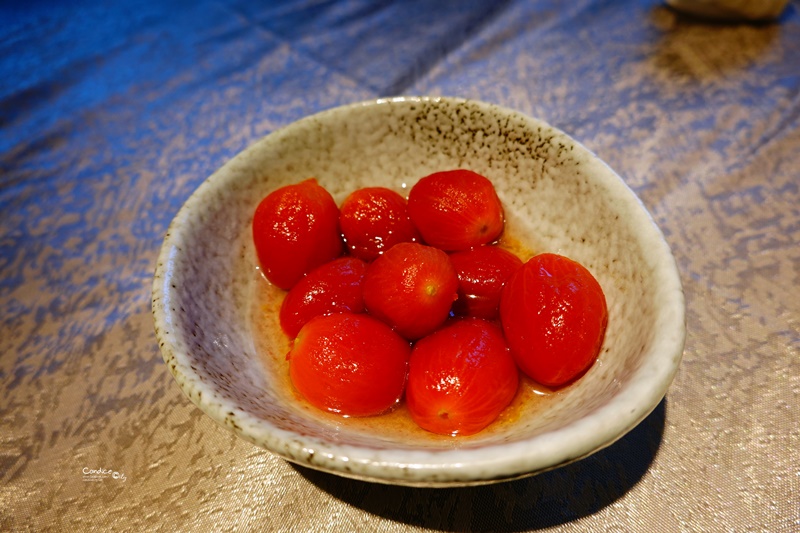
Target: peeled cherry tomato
411,287
374,219
350,364
296,229
456,210
461,377
554,316
482,272
332,287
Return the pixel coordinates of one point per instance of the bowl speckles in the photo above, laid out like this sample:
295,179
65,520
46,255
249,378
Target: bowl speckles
558,197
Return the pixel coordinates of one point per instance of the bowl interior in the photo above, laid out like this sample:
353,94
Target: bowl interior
215,315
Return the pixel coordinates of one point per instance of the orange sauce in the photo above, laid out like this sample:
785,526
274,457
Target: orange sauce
273,345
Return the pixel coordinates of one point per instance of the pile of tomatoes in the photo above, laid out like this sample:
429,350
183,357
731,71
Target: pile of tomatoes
391,298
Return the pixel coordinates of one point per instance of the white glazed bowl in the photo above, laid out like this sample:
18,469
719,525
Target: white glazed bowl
558,197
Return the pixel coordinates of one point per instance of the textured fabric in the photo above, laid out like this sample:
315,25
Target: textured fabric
112,113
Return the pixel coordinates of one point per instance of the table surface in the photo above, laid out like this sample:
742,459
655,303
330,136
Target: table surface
111,116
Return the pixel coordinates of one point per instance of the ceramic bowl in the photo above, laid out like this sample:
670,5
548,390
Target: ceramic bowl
732,10
215,314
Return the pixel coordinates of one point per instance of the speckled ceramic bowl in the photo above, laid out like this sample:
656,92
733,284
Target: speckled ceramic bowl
215,315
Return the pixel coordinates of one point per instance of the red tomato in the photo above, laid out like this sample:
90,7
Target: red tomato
373,220
411,287
482,272
554,316
351,364
460,378
456,210
296,229
332,287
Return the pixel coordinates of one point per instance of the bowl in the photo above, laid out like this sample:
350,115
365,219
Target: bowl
215,313
732,10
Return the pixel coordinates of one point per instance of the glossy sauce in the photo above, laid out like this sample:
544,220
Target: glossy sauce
273,345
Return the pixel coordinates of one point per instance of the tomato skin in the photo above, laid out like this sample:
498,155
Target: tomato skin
482,272
461,377
296,229
411,287
350,364
374,219
456,210
332,287
554,316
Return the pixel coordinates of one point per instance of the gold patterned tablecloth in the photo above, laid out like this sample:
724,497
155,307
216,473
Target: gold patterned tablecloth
110,116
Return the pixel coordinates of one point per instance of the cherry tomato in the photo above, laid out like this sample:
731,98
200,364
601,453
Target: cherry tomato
456,210
411,287
482,272
296,229
374,219
332,287
461,377
350,364
554,316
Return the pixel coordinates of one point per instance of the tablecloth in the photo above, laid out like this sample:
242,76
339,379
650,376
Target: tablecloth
112,113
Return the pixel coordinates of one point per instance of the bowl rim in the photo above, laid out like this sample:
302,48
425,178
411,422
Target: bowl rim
447,467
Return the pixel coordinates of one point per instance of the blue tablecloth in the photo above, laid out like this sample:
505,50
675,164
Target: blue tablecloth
112,113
